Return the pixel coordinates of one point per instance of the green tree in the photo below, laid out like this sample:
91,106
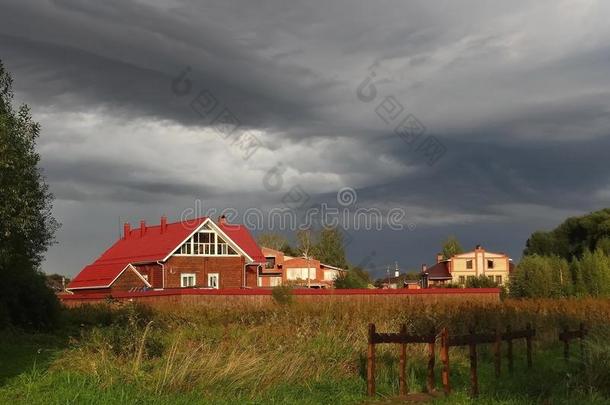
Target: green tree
329,248
451,247
353,278
27,226
541,276
594,268
573,237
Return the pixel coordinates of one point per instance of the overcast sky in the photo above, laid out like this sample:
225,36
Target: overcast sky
515,93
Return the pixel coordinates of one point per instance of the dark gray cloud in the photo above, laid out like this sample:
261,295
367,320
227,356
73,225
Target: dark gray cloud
517,93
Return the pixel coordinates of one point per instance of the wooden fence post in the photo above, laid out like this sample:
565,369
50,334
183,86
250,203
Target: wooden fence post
402,381
474,381
583,332
509,349
370,370
431,359
498,353
529,345
445,360
566,344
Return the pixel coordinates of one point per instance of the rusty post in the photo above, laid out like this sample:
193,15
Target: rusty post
402,380
474,381
529,345
370,370
431,359
566,344
498,353
509,349
445,360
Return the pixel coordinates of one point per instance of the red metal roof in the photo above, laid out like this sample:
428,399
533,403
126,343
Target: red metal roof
241,235
152,246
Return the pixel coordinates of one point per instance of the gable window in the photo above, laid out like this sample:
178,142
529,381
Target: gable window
469,264
206,242
490,264
187,280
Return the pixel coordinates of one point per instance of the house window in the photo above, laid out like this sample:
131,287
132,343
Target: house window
499,280
491,278
490,264
301,273
275,281
213,280
270,262
469,264
187,280
462,280
330,275
470,278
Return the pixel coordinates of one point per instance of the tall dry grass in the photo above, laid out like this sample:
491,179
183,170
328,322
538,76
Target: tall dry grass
247,351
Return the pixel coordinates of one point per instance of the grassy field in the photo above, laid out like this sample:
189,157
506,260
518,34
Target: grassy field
300,353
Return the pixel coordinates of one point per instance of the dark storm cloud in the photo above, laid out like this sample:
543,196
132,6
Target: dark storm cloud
517,93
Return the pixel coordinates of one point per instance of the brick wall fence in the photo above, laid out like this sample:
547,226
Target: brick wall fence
190,296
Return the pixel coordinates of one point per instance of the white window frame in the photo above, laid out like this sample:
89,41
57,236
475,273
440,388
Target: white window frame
183,276
210,276
212,248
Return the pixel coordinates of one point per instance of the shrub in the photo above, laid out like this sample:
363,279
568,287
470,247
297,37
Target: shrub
480,282
350,279
282,294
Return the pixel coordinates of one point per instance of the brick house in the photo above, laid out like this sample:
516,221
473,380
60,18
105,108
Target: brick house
282,269
461,267
196,253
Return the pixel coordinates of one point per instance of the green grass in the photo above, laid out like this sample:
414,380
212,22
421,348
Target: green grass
282,354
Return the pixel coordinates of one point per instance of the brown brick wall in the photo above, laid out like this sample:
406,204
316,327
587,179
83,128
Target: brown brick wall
127,280
230,270
153,271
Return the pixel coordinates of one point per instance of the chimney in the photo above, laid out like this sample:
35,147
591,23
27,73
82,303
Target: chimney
478,247
163,223
142,228
126,230
424,268
222,220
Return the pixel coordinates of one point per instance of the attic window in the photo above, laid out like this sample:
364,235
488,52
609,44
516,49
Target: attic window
206,243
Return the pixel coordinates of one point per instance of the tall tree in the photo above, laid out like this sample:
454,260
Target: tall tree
27,226
330,248
306,242
451,247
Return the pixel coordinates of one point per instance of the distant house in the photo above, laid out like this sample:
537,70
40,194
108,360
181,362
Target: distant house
197,253
282,269
462,267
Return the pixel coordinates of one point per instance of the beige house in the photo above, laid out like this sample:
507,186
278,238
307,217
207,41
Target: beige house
461,267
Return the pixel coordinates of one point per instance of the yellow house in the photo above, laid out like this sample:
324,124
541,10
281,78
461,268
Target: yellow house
459,268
